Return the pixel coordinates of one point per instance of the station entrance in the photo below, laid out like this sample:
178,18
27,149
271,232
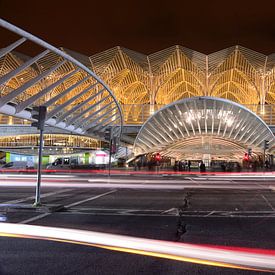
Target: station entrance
204,129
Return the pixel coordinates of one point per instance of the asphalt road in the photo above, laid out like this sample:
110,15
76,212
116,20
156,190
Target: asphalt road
243,215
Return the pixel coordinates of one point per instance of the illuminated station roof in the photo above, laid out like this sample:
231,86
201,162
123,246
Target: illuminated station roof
192,127
76,98
235,73
198,95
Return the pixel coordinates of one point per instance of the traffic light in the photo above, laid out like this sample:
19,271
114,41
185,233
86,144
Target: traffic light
108,134
157,157
266,144
249,151
39,114
246,157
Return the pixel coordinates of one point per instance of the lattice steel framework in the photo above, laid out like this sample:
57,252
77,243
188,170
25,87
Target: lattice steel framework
77,99
203,125
236,73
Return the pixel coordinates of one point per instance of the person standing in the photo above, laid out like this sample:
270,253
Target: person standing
202,167
189,165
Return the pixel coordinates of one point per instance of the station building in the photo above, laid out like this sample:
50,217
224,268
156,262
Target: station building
178,102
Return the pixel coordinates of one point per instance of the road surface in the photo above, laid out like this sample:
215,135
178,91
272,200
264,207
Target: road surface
201,210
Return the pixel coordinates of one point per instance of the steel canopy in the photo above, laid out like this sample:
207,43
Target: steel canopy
202,125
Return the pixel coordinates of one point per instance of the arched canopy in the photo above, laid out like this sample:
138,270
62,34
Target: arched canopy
76,98
192,127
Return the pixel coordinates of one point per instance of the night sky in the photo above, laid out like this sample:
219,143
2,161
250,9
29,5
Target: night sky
145,26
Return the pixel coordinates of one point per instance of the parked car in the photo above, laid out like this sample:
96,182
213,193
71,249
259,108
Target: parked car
16,165
61,163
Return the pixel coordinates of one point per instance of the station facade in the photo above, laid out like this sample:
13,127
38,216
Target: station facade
181,103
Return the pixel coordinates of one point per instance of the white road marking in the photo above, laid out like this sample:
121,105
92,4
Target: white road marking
194,180
90,199
268,203
118,209
123,214
210,213
35,218
67,206
271,215
32,197
169,210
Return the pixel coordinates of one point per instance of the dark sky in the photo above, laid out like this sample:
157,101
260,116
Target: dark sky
145,26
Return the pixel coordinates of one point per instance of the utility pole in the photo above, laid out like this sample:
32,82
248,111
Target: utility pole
39,114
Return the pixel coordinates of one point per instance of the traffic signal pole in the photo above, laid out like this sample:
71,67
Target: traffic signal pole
110,157
108,135
39,116
38,184
264,157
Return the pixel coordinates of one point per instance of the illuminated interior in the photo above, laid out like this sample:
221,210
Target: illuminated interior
203,128
52,140
53,144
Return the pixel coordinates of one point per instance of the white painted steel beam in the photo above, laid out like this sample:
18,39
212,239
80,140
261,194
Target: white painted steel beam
41,85
21,68
31,100
12,46
77,117
10,96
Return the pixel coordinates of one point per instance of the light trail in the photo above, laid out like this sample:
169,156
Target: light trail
241,258
142,172
223,180
134,183
169,186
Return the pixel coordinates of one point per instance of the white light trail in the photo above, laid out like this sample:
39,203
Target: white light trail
201,254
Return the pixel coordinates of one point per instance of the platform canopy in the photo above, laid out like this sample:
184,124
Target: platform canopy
195,127
76,98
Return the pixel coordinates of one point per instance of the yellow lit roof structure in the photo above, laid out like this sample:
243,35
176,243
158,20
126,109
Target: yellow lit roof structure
235,73
142,84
